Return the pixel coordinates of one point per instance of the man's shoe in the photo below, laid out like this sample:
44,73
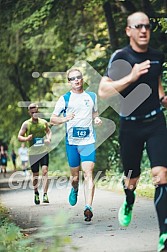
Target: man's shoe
162,244
88,213
73,196
125,214
36,199
45,198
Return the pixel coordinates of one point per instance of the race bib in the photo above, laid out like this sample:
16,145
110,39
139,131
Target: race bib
81,132
38,141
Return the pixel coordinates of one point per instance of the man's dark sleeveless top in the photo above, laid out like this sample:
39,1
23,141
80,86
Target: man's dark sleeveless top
151,78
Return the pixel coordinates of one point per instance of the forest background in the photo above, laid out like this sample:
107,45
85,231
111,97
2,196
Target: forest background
42,36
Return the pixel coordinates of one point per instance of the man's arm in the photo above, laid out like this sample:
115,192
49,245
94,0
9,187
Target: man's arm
48,134
56,120
56,117
95,114
21,135
109,87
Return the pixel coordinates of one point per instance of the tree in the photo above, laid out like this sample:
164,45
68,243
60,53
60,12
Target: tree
49,36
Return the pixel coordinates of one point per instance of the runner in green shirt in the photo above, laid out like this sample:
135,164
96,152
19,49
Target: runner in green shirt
37,133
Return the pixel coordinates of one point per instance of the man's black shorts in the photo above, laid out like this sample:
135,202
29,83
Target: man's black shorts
134,136
38,160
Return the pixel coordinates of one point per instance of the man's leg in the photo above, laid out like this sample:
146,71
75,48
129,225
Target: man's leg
125,212
45,178
89,188
131,149
44,162
15,168
35,170
35,185
74,182
73,157
75,177
129,188
35,181
88,158
14,164
45,183
157,152
24,167
160,200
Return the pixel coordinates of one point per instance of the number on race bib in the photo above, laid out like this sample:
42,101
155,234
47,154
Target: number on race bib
38,141
81,132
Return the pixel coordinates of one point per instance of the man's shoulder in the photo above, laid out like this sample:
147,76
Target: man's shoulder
156,52
66,95
90,92
92,95
124,49
28,121
120,54
42,121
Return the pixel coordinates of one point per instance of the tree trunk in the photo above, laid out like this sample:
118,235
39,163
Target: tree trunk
148,9
15,80
111,25
129,6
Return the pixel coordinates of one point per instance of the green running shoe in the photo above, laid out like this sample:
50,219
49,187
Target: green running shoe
73,197
45,198
36,199
162,244
125,214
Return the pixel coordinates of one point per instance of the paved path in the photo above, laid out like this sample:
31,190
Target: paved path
103,234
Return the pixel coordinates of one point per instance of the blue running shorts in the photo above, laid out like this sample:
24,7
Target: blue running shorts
80,153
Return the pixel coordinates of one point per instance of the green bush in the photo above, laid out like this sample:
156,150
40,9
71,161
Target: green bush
52,237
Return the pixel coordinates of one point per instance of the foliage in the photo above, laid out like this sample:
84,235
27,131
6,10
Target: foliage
145,187
3,214
58,229
112,181
9,237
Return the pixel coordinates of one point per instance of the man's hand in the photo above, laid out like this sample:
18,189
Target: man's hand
29,138
138,70
69,117
47,141
97,121
164,101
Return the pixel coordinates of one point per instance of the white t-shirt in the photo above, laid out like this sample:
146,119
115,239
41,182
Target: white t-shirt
23,153
79,130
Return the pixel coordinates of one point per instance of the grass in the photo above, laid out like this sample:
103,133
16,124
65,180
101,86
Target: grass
113,182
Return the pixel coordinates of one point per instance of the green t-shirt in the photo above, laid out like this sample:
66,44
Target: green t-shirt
38,130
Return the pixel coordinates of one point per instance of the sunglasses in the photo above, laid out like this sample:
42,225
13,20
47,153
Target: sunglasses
79,77
140,26
32,107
